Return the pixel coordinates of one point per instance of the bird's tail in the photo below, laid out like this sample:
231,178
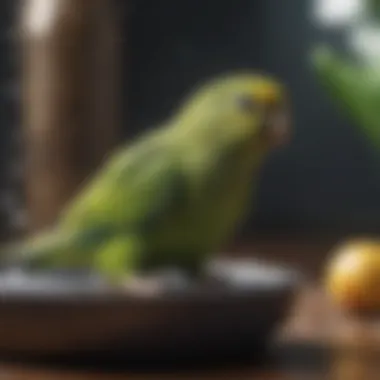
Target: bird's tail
354,88
44,249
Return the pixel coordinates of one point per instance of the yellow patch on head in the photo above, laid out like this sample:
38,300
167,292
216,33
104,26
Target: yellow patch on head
268,92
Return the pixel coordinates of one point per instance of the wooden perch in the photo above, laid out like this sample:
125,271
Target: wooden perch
70,74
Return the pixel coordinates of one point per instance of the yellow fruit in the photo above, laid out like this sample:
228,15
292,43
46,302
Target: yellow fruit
353,275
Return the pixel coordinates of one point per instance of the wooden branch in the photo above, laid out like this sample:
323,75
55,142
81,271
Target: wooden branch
70,84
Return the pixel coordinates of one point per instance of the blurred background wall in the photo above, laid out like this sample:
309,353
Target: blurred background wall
327,181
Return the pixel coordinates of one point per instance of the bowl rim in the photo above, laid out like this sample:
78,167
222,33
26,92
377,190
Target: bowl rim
195,293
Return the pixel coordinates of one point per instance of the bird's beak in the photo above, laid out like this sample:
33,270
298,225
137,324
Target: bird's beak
277,125
275,105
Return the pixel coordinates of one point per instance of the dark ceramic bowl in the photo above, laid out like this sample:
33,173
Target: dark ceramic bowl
57,316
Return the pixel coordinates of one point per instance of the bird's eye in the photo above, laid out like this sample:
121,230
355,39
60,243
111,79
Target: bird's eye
246,103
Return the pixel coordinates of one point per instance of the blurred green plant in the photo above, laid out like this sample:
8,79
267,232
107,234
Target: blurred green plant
374,8
352,82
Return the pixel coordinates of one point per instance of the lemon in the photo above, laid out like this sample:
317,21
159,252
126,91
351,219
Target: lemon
353,275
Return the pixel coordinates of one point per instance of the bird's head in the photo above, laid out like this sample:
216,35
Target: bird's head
251,105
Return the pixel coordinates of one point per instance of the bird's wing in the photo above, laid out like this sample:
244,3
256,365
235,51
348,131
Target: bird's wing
135,190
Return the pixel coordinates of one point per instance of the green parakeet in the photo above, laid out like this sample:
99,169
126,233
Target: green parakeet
178,192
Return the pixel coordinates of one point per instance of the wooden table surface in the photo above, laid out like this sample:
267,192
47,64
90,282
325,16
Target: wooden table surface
315,342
